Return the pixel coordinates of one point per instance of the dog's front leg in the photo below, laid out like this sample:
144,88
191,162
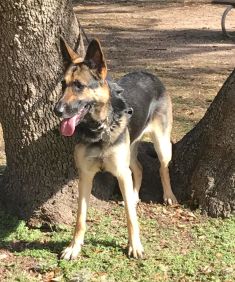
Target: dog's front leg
85,186
126,186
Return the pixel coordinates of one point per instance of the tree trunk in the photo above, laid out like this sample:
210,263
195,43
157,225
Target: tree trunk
39,161
204,160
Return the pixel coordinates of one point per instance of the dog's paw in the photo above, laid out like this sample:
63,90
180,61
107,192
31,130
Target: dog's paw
136,199
71,252
136,250
170,199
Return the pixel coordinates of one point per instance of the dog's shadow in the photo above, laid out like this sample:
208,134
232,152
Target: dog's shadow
110,244
91,245
8,224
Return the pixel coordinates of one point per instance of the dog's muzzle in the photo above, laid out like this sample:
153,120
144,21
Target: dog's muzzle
59,109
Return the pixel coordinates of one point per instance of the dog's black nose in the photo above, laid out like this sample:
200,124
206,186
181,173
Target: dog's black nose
59,109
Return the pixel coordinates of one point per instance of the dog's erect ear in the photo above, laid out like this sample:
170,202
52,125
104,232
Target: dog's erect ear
95,58
69,54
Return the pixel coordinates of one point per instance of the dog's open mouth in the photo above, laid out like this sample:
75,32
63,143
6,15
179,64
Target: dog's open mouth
68,125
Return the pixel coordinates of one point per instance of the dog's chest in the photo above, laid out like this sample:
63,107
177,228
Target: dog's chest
94,153
94,158
101,158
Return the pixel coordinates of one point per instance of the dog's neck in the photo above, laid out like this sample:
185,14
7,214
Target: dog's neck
105,122
100,108
112,107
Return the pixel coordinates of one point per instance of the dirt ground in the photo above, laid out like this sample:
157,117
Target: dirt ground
181,43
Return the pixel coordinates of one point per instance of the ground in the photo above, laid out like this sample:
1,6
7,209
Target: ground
182,44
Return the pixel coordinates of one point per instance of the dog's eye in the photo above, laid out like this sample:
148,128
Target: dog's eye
77,84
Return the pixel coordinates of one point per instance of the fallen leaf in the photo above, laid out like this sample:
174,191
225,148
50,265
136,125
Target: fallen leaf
3,256
58,278
219,255
206,269
181,226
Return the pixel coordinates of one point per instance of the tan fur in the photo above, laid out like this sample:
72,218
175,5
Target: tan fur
161,138
137,170
101,95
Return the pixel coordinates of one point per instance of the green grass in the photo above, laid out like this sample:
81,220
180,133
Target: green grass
179,246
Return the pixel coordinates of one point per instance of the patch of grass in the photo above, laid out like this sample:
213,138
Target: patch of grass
211,255
179,245
23,233
19,275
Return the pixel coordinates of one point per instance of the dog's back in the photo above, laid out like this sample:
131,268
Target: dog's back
146,94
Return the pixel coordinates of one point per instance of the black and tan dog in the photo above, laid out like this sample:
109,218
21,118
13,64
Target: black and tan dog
108,120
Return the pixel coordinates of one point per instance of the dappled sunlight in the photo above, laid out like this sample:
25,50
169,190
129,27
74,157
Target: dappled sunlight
2,153
189,53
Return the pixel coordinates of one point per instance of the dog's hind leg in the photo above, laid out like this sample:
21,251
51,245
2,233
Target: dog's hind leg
163,147
137,171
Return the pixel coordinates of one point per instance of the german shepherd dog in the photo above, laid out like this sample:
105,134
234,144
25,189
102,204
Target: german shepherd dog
108,119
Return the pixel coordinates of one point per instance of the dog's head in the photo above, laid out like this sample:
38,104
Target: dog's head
84,86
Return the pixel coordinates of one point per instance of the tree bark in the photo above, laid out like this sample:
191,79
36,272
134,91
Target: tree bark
39,161
204,160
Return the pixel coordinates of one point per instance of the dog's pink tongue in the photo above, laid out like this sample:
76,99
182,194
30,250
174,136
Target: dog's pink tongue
67,126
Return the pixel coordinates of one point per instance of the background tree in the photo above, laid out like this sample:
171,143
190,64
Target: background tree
39,179
38,161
